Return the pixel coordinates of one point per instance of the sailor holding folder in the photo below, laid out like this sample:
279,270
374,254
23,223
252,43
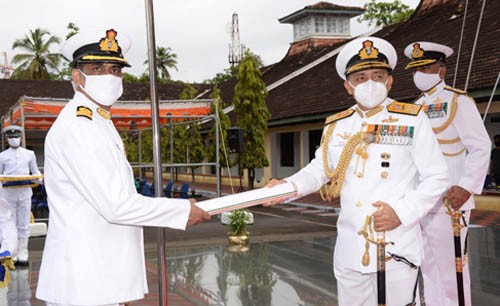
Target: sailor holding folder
18,162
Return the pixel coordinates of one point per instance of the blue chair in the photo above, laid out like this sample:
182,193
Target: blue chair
146,189
183,193
167,191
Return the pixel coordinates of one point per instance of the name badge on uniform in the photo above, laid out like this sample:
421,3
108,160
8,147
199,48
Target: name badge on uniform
391,134
437,110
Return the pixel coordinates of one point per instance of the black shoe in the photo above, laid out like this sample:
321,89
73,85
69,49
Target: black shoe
21,263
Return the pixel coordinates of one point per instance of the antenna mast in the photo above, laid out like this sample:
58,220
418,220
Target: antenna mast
235,50
5,68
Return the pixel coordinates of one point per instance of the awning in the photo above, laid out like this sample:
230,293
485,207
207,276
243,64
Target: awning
35,113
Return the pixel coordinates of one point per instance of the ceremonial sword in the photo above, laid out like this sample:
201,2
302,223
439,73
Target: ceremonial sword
455,223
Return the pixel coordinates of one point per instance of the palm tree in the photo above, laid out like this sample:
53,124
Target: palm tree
37,60
165,59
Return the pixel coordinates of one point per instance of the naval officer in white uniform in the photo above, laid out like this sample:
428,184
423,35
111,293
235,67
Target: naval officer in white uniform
385,164
465,145
94,250
19,161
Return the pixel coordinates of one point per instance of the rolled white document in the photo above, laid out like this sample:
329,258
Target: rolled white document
248,198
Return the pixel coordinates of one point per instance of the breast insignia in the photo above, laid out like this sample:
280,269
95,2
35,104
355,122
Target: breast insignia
338,116
404,108
83,111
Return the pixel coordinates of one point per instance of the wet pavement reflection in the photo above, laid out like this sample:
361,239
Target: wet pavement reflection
279,273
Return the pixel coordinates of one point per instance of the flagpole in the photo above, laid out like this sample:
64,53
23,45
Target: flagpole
155,120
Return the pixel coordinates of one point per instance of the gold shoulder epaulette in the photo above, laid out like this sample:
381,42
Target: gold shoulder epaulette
404,108
338,116
83,111
458,91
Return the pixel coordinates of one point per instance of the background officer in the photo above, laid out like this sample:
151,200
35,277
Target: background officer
19,161
382,158
465,146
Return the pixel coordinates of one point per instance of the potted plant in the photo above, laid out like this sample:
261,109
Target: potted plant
238,236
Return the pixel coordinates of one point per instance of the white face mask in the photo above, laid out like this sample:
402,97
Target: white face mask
14,142
426,81
104,89
370,93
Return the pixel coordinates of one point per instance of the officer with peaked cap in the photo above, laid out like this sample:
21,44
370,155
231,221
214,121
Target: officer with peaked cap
465,145
94,247
381,157
18,161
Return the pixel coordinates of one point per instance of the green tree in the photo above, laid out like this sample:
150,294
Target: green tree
130,78
385,13
188,92
38,60
73,30
224,124
165,59
232,71
192,140
250,106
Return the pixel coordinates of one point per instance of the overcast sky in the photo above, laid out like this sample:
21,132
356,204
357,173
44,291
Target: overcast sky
196,30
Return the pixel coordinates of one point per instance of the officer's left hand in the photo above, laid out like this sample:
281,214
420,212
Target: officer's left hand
457,196
385,218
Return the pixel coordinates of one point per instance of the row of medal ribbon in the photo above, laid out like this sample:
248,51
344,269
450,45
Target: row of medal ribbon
437,110
390,134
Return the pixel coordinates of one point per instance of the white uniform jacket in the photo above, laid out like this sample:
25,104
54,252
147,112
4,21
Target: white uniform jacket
407,152
462,136
8,230
94,250
19,161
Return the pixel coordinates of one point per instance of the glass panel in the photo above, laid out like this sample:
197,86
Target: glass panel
331,26
346,25
287,149
314,142
319,24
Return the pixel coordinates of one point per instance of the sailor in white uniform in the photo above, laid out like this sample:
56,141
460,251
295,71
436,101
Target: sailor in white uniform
8,243
19,161
384,162
94,250
465,145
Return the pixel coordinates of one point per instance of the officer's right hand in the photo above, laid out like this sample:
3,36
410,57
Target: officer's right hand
196,215
272,183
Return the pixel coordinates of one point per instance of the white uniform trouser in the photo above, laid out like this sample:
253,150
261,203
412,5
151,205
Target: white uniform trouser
357,289
21,210
438,267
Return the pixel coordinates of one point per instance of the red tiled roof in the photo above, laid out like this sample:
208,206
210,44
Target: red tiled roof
319,91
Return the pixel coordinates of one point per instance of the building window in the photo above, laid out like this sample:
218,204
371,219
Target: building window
331,24
287,149
346,25
314,142
302,28
319,24
309,25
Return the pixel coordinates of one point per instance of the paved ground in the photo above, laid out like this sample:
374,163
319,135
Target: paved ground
299,241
